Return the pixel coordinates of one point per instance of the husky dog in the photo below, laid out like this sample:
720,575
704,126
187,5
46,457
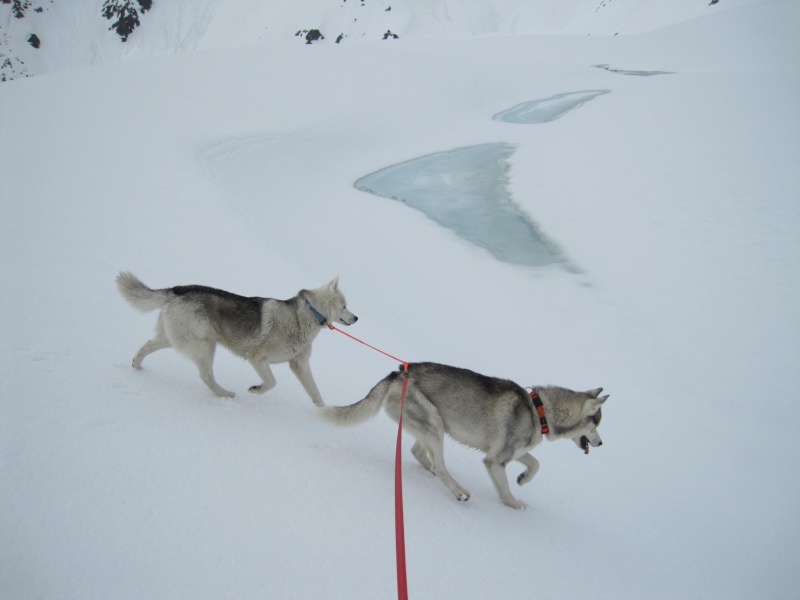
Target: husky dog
194,319
494,415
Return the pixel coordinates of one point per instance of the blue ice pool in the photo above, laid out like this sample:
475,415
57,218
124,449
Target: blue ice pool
465,190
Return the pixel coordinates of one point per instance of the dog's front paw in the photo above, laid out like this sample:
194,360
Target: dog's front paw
462,495
257,389
515,504
524,478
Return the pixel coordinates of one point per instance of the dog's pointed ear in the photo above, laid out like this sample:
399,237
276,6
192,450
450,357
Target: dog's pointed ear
595,393
592,404
333,285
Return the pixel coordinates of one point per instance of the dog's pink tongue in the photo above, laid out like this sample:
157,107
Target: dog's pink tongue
585,444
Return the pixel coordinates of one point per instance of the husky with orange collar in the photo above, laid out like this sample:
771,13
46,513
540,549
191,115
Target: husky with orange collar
494,415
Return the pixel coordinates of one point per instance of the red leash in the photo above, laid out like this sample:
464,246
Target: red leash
352,337
399,526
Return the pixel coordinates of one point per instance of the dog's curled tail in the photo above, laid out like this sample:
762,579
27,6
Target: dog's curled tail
138,295
361,411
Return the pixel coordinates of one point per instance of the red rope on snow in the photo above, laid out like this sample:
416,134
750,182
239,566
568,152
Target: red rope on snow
399,526
352,337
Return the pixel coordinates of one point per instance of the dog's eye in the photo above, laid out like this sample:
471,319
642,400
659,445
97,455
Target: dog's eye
596,418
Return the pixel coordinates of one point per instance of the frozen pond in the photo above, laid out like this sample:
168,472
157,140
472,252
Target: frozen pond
547,109
466,191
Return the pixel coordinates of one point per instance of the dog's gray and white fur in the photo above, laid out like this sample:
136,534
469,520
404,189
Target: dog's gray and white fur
194,319
494,415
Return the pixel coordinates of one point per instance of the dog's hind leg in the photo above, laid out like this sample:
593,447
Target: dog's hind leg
302,370
438,468
533,467
202,353
422,420
159,342
421,454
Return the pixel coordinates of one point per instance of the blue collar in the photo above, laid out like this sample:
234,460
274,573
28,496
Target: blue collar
320,317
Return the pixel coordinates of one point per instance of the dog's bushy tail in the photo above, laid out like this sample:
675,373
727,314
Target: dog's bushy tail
138,295
361,411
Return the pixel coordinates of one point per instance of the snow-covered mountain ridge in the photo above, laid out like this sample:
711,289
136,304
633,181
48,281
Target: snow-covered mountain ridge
54,35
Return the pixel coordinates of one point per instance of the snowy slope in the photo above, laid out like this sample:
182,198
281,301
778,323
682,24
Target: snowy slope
675,196
73,33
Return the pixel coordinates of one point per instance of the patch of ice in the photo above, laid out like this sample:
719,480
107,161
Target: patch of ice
465,190
547,109
633,73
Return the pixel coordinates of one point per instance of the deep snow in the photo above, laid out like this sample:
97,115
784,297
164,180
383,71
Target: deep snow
674,196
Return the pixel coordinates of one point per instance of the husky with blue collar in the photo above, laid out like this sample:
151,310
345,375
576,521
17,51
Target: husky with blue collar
263,331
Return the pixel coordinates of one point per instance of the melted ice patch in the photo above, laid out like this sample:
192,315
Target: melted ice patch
547,109
466,191
632,73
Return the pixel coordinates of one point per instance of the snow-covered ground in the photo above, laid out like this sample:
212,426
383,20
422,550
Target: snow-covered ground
674,197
